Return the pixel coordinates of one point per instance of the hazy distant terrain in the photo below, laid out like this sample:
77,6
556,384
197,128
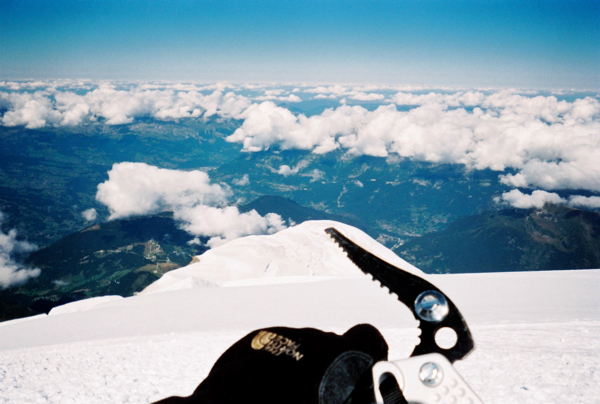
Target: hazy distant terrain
46,185
464,181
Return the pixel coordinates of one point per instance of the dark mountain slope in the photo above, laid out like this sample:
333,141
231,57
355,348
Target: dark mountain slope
552,238
119,258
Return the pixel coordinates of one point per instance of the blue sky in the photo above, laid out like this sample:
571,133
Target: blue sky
536,44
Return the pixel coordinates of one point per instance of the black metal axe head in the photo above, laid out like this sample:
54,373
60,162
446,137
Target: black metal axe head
430,306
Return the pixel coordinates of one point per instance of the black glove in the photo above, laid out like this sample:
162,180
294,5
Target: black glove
282,365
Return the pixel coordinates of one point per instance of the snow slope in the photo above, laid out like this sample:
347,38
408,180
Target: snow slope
537,334
300,251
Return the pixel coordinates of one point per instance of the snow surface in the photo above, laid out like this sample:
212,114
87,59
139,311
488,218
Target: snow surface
537,334
289,255
82,305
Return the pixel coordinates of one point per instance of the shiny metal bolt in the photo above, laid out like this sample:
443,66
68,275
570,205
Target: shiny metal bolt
431,306
431,374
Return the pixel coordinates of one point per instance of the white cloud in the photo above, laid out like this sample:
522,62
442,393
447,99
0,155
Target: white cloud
226,224
293,98
275,92
362,96
336,89
550,144
579,173
89,214
123,106
36,110
139,189
324,96
454,100
31,85
245,180
586,202
30,110
315,175
266,124
285,170
357,93
508,103
12,273
250,86
369,88
185,86
278,96
423,183
536,200
195,241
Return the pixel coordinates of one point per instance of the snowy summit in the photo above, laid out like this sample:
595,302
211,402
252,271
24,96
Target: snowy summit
300,253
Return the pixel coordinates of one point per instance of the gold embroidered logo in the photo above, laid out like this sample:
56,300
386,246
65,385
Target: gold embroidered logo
276,344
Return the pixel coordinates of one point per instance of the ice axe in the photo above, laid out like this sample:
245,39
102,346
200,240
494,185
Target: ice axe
427,376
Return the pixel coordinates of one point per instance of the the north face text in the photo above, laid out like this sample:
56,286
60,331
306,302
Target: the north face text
276,344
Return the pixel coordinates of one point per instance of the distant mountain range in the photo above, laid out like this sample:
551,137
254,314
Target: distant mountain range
553,238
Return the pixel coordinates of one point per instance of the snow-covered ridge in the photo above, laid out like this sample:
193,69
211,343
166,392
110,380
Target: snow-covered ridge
299,253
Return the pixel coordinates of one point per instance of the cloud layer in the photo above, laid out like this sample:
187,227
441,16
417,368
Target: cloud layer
546,143
537,199
551,144
115,107
135,189
12,273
